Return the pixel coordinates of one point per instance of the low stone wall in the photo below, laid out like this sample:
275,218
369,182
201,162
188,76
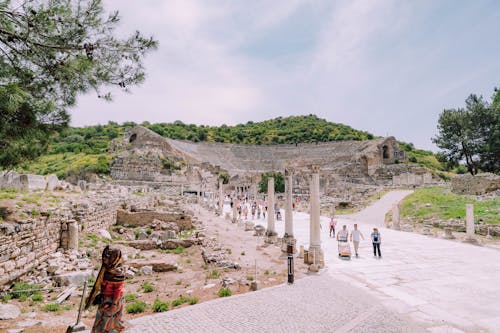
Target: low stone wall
146,218
10,180
26,244
459,226
479,184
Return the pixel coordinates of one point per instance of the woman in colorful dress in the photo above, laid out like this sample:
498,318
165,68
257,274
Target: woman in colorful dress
108,293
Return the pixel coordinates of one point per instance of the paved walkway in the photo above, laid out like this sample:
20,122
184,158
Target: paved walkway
421,282
312,304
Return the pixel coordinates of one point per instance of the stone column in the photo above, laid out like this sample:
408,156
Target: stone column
469,223
288,205
72,235
221,197
314,228
288,236
235,211
255,191
395,217
270,208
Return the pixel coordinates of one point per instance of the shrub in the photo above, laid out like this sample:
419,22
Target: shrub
51,307
192,300
37,297
148,287
181,300
149,231
159,306
224,292
130,298
214,274
6,298
23,290
250,278
136,307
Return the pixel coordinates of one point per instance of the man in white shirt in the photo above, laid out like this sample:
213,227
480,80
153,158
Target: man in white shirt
355,234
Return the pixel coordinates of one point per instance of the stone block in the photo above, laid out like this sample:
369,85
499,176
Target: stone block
72,279
9,311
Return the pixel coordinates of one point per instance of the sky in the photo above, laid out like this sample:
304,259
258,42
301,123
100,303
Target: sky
388,67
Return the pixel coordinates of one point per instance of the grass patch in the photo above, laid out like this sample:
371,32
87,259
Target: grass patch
181,300
136,307
224,292
250,278
214,274
178,250
148,287
130,298
440,203
37,297
23,290
159,306
51,307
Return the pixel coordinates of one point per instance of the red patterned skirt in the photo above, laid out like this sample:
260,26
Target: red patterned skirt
109,313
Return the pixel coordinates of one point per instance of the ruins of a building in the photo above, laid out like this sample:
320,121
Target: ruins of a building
144,156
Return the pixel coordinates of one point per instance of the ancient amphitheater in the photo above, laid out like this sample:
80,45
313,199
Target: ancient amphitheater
143,156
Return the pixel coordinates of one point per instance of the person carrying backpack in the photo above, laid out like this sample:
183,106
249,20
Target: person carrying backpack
376,240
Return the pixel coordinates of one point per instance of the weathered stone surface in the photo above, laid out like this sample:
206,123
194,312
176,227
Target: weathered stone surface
147,218
72,278
478,184
143,244
157,265
9,311
105,234
146,270
184,242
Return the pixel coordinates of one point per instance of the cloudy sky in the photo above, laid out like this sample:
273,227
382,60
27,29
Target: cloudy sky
387,66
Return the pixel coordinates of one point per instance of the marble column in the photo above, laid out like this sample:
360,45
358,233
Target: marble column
469,222
395,217
270,207
72,235
221,197
255,191
314,227
288,205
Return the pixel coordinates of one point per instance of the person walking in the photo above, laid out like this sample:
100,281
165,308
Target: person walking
376,240
342,234
333,224
107,293
355,235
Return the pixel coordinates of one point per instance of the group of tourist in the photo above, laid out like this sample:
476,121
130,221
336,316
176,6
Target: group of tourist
354,236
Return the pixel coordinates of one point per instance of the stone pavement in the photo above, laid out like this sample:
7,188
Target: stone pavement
447,286
421,283
313,304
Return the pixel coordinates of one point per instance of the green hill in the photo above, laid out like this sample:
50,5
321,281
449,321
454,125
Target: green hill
78,150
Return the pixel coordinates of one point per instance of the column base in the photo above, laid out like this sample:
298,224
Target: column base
315,256
288,240
471,240
271,237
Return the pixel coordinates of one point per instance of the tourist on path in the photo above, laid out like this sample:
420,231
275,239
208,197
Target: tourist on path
333,224
107,293
342,234
376,240
355,234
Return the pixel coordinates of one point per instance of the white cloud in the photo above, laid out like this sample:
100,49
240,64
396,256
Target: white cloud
388,67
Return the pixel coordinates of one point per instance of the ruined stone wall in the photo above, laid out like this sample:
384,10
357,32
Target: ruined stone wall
147,218
26,244
475,185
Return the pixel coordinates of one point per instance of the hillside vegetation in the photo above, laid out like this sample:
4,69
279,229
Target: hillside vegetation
78,150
